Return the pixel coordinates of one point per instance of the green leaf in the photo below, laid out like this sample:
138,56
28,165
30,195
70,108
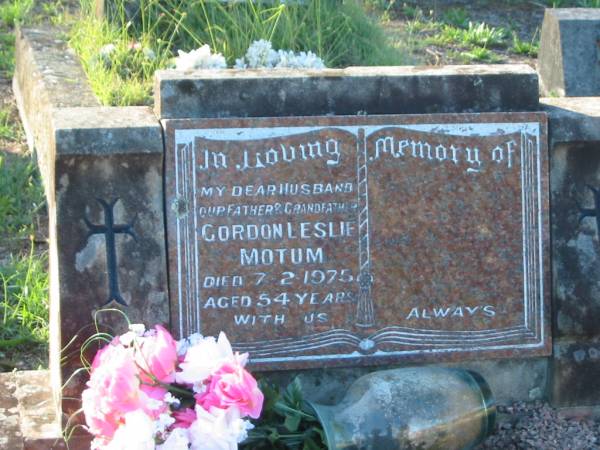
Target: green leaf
292,422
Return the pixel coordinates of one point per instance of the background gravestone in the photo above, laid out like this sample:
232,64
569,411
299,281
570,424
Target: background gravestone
569,55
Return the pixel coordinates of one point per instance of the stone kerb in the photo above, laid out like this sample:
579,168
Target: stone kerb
575,180
103,170
102,173
363,90
355,90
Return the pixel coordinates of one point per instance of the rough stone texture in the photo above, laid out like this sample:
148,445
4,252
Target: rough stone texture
575,371
575,175
10,435
355,90
122,177
569,56
430,254
47,76
28,414
98,164
574,125
572,119
106,131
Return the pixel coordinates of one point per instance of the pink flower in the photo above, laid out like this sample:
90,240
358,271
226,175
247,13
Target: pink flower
113,390
157,357
232,385
184,418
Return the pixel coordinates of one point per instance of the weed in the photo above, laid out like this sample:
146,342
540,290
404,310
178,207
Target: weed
457,17
412,12
588,3
478,54
24,301
476,35
9,130
340,33
524,48
422,26
7,53
571,3
21,196
15,11
482,35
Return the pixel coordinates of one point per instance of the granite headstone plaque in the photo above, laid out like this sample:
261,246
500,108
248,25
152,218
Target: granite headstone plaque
320,241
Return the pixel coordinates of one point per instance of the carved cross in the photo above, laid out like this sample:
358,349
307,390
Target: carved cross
110,230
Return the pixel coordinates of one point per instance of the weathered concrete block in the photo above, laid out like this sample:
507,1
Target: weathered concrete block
109,218
572,119
47,76
569,56
575,180
575,371
28,414
574,125
102,171
10,436
355,90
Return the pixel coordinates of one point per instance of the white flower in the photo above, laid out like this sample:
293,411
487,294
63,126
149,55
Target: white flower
240,63
184,344
219,429
163,422
137,433
201,58
302,60
204,357
261,54
137,328
177,440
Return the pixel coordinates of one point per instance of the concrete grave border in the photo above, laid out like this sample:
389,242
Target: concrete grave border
59,111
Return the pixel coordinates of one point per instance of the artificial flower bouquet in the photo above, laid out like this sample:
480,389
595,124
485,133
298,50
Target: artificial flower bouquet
147,391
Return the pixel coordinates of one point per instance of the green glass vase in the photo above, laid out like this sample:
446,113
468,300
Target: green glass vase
411,408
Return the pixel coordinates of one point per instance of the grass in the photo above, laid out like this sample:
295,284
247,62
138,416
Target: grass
23,266
475,35
525,48
571,3
24,305
15,11
21,197
339,32
451,36
23,261
7,53
124,79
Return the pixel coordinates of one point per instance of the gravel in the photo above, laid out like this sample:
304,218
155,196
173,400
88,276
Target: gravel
539,426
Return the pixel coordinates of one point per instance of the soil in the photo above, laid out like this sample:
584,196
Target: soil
521,17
